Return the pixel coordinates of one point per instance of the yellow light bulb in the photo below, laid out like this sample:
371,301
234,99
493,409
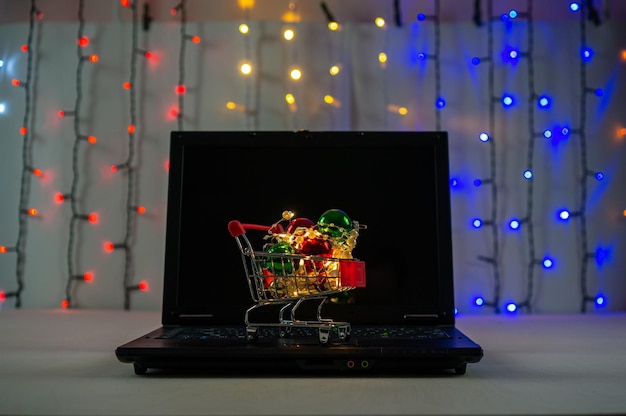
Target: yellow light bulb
333,26
246,68
403,111
329,99
380,22
289,34
231,105
382,57
334,70
244,29
295,74
290,98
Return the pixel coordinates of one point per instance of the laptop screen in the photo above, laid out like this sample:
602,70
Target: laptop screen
394,183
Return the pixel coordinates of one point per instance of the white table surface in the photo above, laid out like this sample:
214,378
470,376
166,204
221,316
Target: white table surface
62,362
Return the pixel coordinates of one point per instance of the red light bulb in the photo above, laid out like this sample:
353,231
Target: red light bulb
195,39
93,58
92,139
92,218
83,41
61,113
15,82
88,277
37,172
148,54
113,168
125,3
143,285
24,48
131,128
23,131
141,209
180,89
109,246
32,212
3,249
59,198
173,11
167,165
65,303
3,296
127,85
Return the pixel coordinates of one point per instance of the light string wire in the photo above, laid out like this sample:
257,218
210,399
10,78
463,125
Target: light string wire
77,215
585,172
492,222
436,57
131,209
248,111
527,220
27,144
383,67
293,53
181,61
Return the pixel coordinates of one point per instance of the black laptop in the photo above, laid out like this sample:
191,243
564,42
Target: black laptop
398,316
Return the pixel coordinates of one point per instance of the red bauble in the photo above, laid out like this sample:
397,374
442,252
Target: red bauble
298,223
315,247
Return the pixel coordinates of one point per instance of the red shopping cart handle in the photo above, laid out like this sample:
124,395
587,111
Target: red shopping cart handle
236,228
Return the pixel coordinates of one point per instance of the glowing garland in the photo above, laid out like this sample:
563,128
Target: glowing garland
494,258
72,197
27,170
440,102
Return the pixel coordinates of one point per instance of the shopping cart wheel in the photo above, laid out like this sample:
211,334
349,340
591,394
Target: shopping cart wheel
251,334
343,332
285,332
324,334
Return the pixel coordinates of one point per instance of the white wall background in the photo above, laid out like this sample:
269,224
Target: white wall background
365,91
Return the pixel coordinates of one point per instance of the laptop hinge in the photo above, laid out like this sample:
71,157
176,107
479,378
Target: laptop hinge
196,316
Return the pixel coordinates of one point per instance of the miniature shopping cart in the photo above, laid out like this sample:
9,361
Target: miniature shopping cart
292,279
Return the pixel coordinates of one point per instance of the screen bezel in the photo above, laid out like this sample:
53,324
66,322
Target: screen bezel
436,142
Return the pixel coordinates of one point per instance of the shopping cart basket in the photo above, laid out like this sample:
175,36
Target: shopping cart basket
292,279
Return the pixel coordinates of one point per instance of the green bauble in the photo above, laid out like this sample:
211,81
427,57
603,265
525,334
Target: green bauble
335,223
280,265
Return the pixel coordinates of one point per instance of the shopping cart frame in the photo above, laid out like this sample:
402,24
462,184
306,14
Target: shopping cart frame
287,319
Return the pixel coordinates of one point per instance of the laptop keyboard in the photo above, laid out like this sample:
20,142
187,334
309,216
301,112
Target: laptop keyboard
377,332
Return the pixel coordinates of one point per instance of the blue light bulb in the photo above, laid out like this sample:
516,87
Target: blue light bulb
513,14
544,102
600,300
441,103
507,100
421,17
477,182
477,223
421,56
599,176
547,263
511,307
455,183
475,60
599,92
1,63
564,215
528,174
547,133
484,137
479,301
587,54
574,6
514,224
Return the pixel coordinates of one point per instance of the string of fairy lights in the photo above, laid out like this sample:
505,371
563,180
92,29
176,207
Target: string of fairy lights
440,102
490,137
586,173
78,216
27,133
129,165
490,222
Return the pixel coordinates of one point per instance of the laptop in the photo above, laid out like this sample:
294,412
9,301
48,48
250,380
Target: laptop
396,316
